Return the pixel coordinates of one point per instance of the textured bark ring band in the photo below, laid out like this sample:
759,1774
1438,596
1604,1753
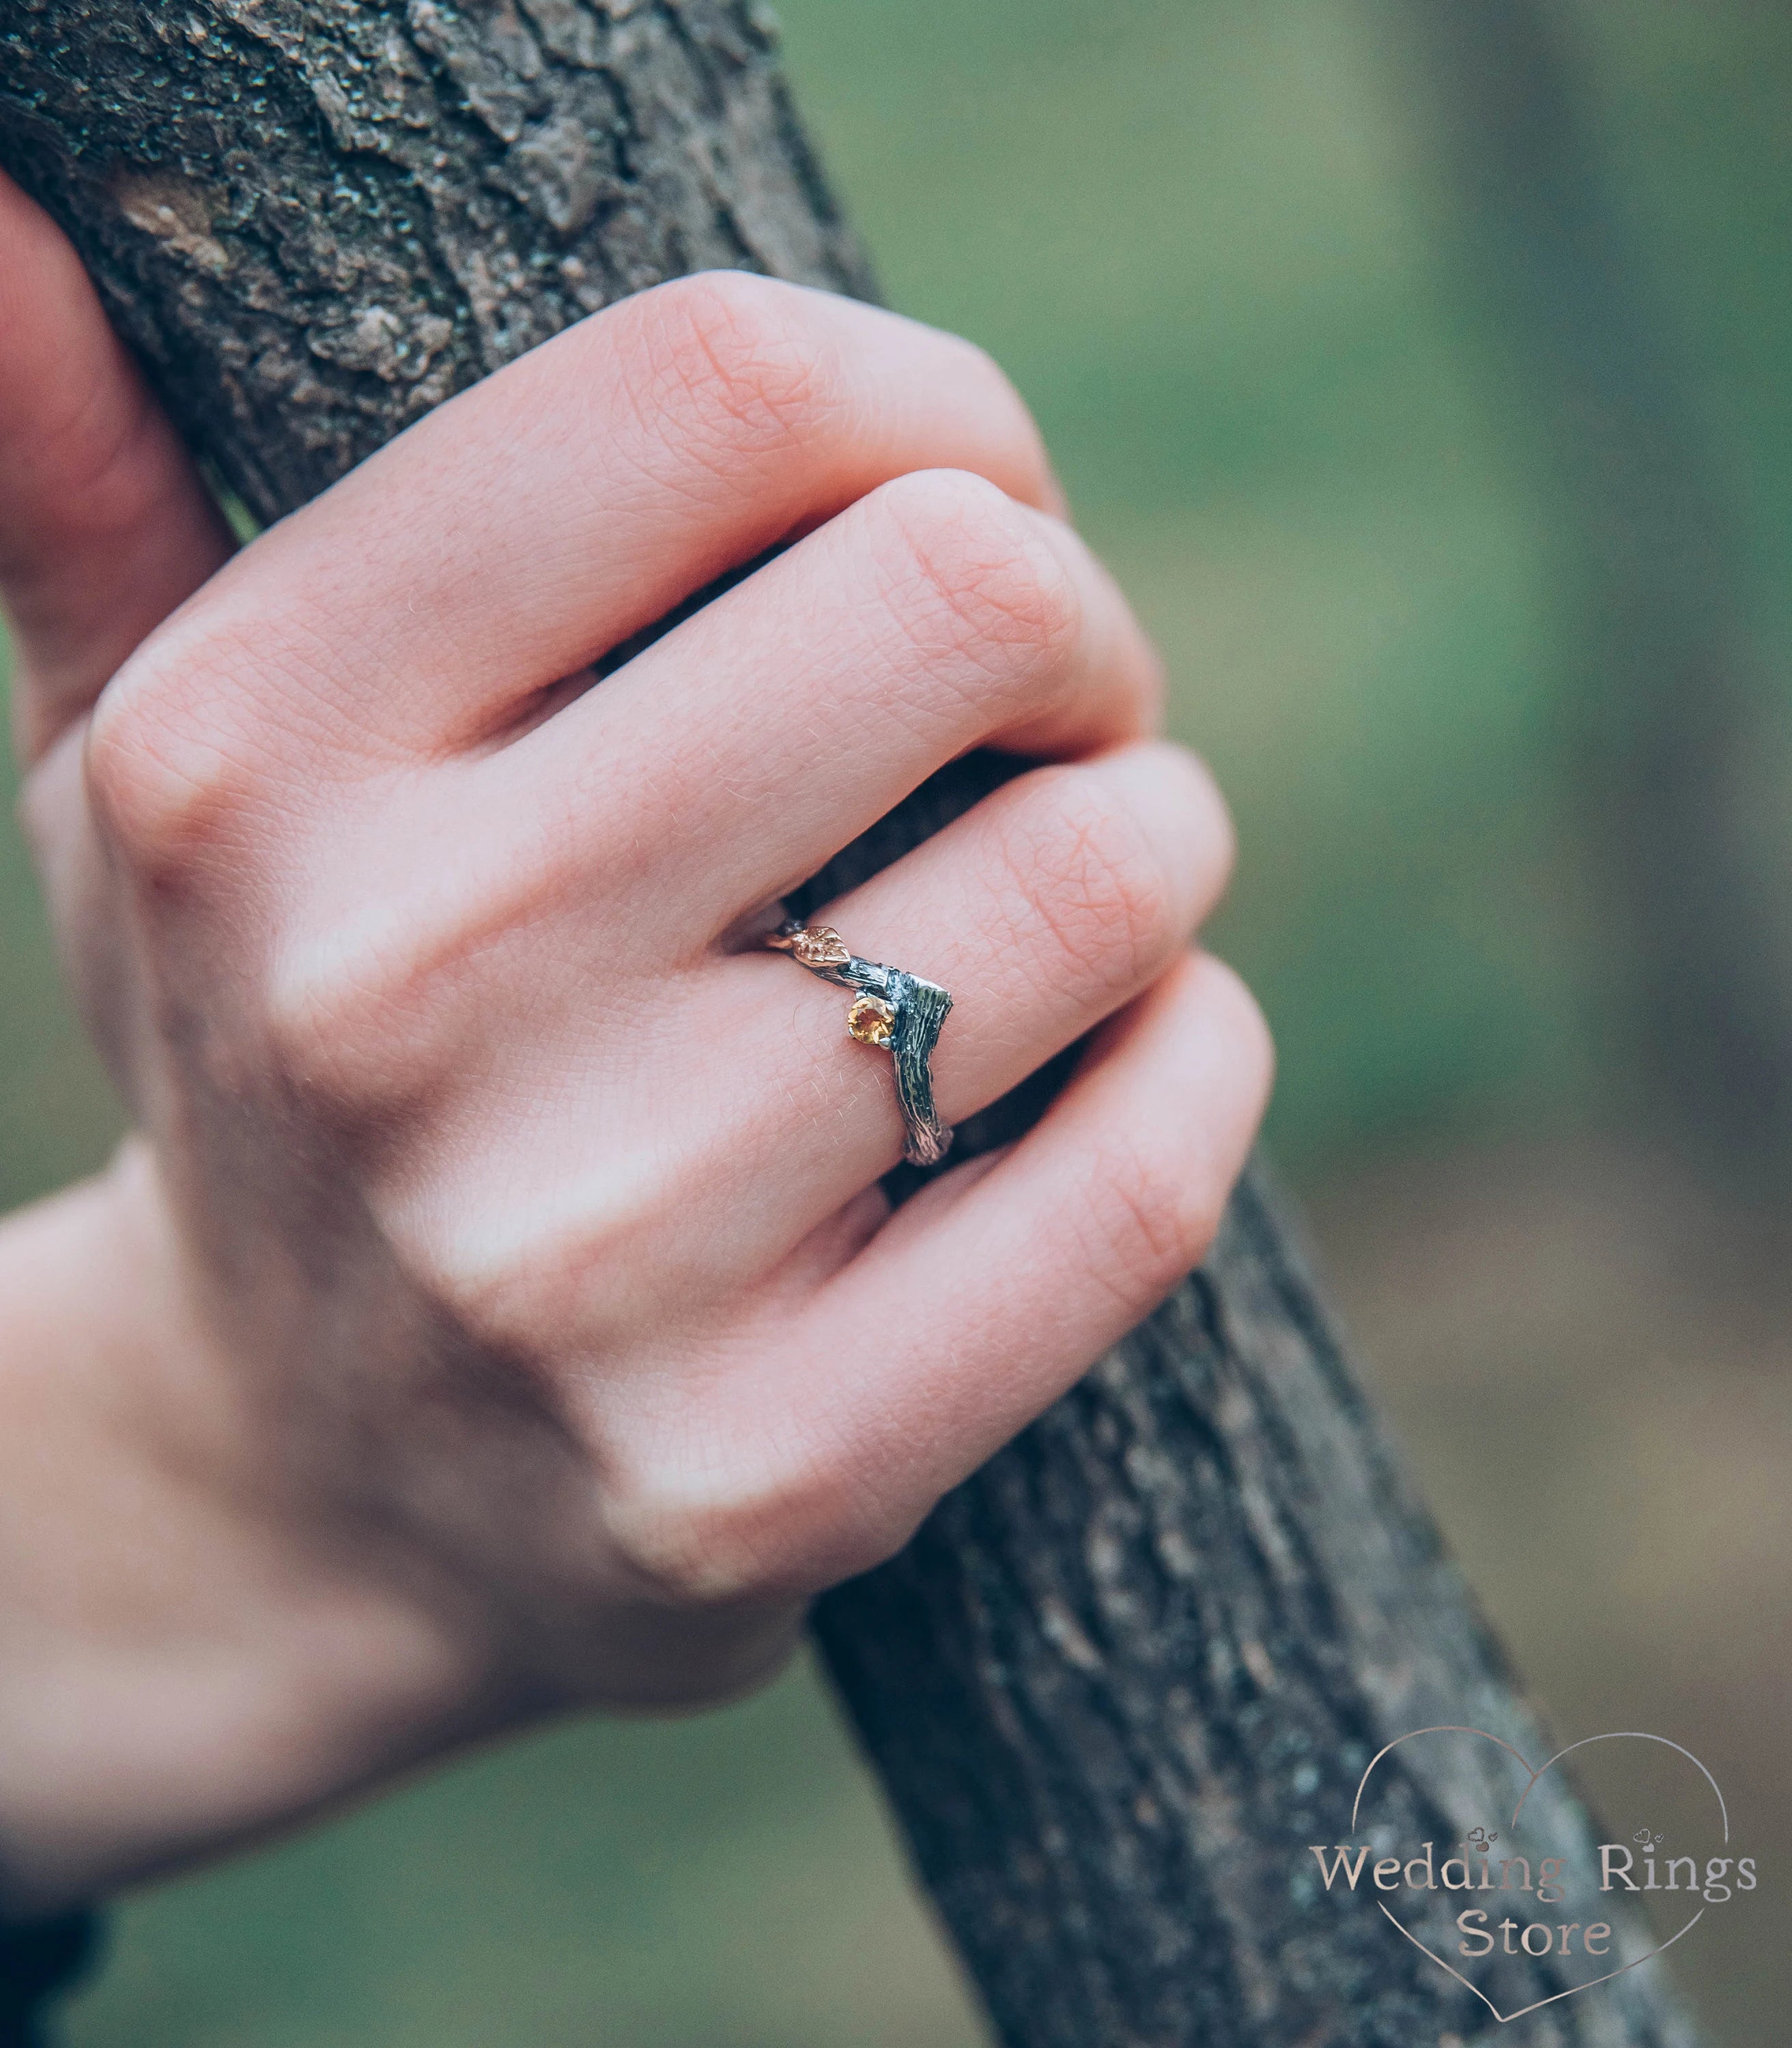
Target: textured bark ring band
898,1011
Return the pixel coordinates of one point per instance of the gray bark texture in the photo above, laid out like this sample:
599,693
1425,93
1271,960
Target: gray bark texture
1126,1673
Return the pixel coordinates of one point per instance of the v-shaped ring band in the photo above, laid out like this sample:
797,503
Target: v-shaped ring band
894,1010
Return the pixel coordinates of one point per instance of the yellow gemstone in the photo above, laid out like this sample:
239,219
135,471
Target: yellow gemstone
821,946
871,1021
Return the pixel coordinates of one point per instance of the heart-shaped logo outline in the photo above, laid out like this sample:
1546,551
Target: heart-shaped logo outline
1616,1734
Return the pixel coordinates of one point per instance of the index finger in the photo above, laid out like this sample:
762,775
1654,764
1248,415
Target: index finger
577,496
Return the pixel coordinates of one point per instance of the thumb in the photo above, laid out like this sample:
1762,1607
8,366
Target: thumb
105,525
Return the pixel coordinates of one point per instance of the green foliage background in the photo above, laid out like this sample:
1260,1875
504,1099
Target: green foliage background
1209,243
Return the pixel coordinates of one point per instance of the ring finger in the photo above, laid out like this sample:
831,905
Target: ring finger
1044,910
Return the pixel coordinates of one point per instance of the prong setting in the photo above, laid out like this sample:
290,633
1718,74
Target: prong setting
893,1010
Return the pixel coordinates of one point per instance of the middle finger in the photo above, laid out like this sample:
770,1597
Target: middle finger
754,742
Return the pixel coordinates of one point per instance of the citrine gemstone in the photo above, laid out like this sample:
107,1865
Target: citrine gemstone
821,946
871,1021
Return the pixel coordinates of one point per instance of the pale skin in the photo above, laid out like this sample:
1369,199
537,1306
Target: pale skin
475,1325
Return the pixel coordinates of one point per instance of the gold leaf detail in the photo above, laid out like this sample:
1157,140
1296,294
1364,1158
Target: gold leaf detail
821,946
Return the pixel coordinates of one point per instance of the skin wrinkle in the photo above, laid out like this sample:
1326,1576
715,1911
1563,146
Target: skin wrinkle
1032,662
989,572
769,385
101,458
1086,874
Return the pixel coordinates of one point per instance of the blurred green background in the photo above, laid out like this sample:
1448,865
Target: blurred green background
1215,247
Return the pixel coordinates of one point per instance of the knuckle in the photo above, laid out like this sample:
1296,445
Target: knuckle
163,785
483,1295
541,1275
744,1516
1154,1215
747,352
479,1288
1079,869
972,576
349,1024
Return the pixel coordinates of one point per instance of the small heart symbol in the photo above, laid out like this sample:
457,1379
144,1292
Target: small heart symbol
1530,1774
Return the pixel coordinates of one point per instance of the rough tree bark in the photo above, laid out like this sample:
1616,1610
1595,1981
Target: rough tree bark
1126,1673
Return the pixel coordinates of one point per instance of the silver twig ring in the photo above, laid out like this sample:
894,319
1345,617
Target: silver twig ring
898,1011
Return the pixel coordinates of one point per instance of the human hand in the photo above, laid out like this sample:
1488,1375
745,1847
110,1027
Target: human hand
525,1305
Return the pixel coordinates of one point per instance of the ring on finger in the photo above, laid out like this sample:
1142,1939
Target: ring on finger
892,1008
